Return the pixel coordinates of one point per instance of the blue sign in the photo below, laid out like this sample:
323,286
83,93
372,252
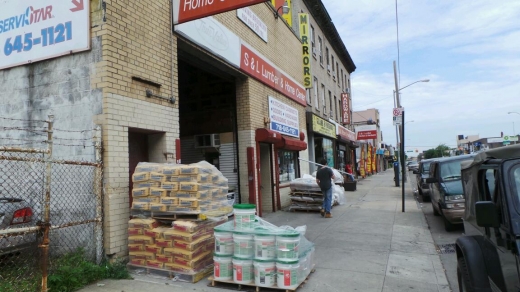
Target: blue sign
284,129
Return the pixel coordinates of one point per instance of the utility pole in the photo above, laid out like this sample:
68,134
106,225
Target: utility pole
401,130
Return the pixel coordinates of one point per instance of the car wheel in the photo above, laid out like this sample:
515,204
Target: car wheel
448,226
435,212
463,276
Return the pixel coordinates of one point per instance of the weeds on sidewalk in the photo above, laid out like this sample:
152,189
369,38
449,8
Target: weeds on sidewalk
67,273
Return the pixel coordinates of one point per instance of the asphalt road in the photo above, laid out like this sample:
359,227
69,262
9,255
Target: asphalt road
444,240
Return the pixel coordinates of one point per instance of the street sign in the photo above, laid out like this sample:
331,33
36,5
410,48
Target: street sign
398,111
398,120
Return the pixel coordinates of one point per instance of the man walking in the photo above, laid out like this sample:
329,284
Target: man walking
324,178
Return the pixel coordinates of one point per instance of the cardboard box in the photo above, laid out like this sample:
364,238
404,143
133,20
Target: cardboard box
164,242
140,176
147,223
141,192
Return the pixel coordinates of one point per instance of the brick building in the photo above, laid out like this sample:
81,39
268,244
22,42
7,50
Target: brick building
226,88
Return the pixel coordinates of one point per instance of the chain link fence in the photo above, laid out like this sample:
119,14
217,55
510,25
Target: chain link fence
48,209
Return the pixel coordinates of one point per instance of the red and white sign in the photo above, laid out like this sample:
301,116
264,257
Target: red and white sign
346,133
345,102
186,10
261,69
366,132
32,31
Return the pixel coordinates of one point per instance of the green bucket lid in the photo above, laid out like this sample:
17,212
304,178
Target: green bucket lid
264,233
289,234
222,255
264,261
243,259
244,206
288,262
243,232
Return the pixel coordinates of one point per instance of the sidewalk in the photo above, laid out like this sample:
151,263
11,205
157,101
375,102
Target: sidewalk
369,245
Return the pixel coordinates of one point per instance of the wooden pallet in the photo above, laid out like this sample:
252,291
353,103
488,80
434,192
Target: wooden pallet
231,284
183,277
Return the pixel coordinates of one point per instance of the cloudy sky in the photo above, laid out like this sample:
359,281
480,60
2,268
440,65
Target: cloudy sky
469,50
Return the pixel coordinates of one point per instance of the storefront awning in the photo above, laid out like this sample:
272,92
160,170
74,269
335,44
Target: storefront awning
291,144
268,136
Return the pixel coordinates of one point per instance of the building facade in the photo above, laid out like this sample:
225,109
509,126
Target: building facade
227,88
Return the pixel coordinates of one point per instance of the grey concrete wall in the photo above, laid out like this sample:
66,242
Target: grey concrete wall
60,86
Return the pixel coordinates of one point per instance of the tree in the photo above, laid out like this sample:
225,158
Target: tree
439,151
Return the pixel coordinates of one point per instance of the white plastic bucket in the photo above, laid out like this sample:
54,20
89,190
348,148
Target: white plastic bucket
244,216
222,267
287,246
243,246
223,243
265,246
287,274
265,273
242,270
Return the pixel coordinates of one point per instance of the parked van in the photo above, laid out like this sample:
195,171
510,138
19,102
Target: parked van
446,192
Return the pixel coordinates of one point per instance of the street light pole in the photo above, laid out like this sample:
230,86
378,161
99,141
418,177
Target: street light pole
401,128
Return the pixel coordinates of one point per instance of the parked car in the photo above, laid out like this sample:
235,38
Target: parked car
422,173
413,166
446,192
488,252
16,213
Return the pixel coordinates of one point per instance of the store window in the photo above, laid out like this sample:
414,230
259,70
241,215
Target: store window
323,148
288,165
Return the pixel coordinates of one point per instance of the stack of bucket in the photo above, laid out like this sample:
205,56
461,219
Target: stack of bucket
247,252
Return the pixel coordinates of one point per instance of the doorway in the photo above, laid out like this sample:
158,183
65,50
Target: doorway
137,152
267,193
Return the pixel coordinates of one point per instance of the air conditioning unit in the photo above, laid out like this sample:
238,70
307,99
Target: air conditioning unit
328,68
205,141
314,51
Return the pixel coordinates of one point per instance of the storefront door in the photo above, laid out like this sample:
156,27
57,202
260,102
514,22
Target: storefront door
266,194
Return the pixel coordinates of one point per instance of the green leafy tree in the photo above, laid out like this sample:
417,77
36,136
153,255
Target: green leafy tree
439,151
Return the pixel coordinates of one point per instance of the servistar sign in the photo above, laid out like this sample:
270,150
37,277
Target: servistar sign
186,10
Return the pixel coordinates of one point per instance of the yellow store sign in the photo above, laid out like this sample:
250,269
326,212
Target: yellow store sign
306,55
323,127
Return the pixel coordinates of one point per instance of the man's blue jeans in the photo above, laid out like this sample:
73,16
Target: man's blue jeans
327,200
